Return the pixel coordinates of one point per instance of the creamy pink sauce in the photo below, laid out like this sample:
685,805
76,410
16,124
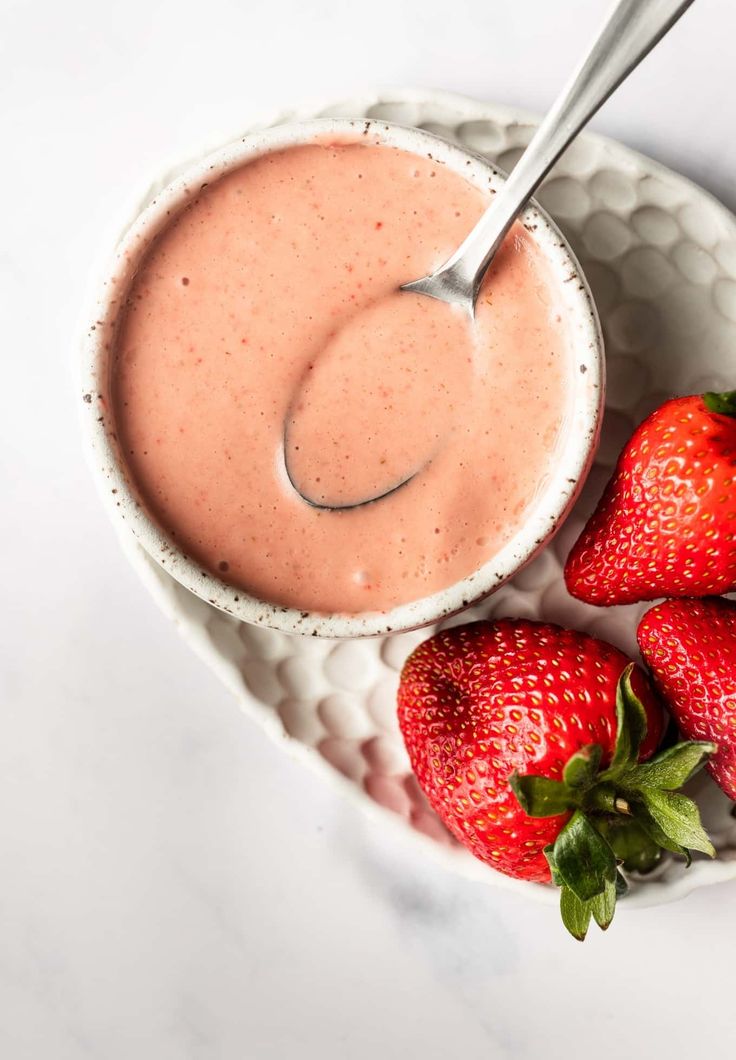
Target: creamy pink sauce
269,308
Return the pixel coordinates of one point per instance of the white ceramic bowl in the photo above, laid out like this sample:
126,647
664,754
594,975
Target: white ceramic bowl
576,450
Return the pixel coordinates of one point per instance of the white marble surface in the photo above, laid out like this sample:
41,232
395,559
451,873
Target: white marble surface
171,885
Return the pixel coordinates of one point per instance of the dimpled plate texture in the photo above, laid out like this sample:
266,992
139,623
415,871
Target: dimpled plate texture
660,256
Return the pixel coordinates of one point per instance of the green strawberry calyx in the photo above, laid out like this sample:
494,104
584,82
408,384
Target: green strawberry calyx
724,403
621,817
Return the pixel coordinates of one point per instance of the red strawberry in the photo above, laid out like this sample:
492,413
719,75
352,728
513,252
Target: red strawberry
690,648
525,737
666,524
478,702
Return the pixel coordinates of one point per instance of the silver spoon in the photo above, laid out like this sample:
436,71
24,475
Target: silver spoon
631,31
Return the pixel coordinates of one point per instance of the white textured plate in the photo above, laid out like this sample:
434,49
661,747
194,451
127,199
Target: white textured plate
660,255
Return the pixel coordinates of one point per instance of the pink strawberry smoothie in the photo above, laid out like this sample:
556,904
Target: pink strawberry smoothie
266,356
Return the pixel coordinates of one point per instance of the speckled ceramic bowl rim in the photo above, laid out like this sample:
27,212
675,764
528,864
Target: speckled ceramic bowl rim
576,451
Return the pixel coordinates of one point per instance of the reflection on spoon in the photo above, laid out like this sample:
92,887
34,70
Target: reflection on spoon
373,409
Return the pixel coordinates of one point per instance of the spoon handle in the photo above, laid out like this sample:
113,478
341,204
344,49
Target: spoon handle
632,30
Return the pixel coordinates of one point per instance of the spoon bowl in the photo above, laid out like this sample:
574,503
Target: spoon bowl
371,372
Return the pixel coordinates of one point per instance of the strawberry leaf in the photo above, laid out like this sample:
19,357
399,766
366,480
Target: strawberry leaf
724,403
658,836
575,914
631,720
603,906
580,771
679,819
633,847
622,887
627,814
671,768
584,860
540,796
549,853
